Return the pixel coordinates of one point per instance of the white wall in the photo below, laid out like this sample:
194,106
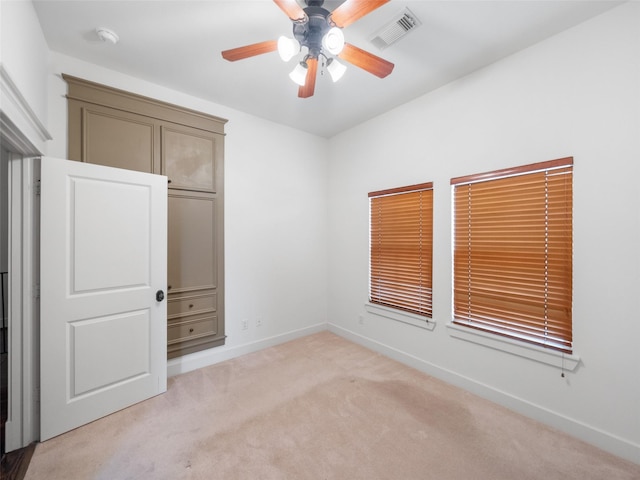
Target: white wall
275,216
23,62
577,94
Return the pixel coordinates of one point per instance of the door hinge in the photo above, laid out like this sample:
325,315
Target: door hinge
36,291
37,187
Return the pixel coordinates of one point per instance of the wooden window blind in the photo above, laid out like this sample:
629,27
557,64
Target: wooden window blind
513,253
401,231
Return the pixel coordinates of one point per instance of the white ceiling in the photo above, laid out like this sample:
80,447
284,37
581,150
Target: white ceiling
177,44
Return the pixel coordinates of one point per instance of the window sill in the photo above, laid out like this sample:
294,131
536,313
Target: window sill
400,316
564,361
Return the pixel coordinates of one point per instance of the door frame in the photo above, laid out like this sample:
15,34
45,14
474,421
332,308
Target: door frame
24,136
22,426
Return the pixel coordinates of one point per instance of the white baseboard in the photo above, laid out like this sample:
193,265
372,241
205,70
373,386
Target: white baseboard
605,441
193,361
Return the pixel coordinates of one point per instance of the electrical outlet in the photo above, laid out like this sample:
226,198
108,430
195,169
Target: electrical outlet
361,319
259,322
244,324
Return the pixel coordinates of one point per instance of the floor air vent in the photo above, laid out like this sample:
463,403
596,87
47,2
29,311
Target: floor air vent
397,28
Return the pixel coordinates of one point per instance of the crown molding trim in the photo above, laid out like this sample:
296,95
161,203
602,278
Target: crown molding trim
16,108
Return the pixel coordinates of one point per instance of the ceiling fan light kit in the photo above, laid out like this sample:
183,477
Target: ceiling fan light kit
320,31
299,74
288,48
335,69
333,41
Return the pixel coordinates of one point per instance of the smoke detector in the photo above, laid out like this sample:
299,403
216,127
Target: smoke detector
107,35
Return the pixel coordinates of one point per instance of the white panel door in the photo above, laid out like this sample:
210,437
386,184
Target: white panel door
103,259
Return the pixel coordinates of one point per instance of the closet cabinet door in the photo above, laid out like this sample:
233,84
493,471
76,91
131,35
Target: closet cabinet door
117,139
189,157
192,262
193,273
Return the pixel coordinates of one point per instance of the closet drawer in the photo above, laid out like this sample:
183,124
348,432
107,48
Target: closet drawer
191,304
179,331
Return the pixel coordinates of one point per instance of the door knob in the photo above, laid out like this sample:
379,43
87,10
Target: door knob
159,296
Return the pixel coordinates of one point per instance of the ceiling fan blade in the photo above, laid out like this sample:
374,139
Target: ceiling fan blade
365,60
291,8
352,10
310,83
250,50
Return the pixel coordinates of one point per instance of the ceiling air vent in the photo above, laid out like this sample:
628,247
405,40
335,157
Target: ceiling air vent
397,28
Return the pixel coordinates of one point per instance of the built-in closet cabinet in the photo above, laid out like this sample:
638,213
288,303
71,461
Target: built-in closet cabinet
120,129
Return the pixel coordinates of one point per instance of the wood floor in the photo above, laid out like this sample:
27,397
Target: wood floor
14,464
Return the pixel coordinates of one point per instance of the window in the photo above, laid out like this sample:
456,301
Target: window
401,231
513,253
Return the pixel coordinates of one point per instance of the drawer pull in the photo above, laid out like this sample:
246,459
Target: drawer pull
191,305
191,330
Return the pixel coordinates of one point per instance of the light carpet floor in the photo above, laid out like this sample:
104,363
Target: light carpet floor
319,407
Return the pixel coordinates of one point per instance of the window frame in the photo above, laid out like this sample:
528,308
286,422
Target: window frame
412,301
555,333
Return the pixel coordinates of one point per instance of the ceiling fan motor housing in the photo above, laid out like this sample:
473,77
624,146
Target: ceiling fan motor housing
311,32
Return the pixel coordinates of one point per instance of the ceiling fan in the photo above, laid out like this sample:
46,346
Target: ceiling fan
320,32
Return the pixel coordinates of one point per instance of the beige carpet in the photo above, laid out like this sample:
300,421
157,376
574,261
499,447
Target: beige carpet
318,408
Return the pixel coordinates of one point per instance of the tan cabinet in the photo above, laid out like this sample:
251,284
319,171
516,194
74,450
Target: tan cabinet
119,129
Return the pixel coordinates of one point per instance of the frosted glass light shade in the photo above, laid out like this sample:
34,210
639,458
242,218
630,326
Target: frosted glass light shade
287,48
299,74
333,41
335,69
